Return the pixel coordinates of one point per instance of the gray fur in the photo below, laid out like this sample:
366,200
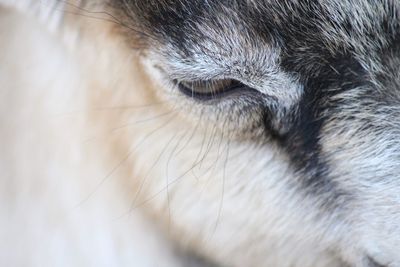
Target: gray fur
306,152
328,72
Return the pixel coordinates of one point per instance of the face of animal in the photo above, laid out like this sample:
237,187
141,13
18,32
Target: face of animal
294,106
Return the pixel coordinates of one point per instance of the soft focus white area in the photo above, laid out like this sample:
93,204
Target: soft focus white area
51,211
47,11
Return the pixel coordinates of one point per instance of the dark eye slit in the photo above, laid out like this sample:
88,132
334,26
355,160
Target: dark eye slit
235,87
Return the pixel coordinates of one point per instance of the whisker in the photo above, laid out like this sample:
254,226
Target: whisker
143,181
167,175
210,143
180,177
213,167
142,121
128,125
192,135
201,148
221,204
116,167
113,170
111,18
106,109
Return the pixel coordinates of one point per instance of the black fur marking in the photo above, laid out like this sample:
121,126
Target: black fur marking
324,68
324,73
339,73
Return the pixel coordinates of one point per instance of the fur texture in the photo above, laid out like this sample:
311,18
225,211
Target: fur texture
107,162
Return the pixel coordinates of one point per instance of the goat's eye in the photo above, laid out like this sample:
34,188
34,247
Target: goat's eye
208,88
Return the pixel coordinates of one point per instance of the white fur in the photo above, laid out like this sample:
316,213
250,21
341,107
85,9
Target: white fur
51,212
100,168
